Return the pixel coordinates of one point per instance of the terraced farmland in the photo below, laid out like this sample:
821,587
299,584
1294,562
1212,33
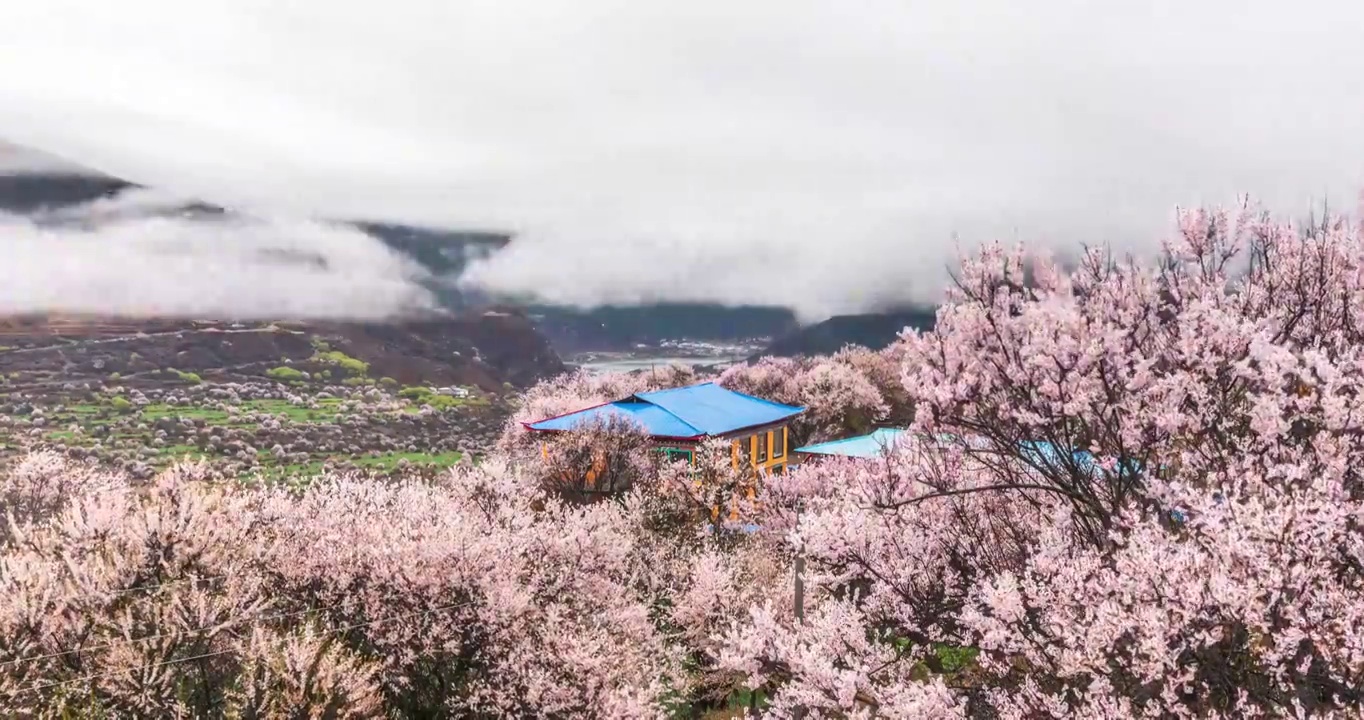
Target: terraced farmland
270,430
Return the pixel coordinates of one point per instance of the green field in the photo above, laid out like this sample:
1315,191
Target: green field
111,423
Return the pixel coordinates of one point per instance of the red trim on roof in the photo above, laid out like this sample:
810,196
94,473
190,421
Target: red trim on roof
760,426
693,438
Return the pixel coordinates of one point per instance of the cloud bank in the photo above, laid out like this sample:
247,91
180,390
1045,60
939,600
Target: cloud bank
812,153
127,258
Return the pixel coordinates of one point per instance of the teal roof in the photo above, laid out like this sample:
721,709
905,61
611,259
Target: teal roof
862,446
1045,453
873,445
688,413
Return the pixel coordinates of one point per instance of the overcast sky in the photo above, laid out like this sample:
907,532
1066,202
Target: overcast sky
821,155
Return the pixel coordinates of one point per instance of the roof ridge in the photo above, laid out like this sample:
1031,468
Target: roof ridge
764,400
713,411
774,403
672,414
529,425
660,391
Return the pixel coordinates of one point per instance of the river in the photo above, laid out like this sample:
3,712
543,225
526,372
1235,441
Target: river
645,358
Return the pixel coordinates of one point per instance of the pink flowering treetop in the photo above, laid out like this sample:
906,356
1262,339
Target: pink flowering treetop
1189,546
848,393
483,592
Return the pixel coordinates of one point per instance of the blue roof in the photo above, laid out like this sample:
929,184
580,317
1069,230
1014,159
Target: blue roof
874,444
654,419
1049,454
862,446
747,529
687,412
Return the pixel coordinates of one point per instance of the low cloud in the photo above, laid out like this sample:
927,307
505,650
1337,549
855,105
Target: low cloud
807,153
116,257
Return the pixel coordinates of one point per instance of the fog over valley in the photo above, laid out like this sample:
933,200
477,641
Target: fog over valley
790,154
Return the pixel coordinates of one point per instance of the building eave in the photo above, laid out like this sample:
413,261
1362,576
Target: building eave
670,438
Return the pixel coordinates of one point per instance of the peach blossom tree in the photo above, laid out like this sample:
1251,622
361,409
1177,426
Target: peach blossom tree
1133,490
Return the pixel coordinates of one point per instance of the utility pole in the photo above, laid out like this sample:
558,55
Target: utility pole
800,572
798,713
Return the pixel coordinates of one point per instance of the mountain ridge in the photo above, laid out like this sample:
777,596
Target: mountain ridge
871,330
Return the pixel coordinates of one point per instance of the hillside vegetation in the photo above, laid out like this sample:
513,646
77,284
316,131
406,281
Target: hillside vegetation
285,400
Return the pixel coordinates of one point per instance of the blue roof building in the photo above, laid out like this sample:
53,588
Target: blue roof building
872,445
686,413
679,419
877,444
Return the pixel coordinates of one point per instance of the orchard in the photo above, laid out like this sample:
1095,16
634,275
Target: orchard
1189,547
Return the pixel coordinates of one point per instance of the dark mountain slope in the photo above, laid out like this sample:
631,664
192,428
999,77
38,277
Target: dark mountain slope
621,328
875,331
27,193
